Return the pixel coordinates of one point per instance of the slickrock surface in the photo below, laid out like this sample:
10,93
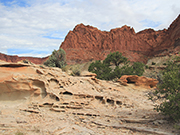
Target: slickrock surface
37,100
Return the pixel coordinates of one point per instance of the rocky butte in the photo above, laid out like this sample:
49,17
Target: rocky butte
86,43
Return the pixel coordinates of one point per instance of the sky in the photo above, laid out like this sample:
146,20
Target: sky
37,27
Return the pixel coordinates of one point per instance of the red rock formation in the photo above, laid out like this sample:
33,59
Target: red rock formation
171,42
87,43
9,58
138,81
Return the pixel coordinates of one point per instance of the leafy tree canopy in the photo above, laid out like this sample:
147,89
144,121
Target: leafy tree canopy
116,58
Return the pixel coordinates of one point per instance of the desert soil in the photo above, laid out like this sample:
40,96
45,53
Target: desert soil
47,101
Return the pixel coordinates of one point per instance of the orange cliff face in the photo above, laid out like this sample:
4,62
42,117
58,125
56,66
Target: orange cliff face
15,59
87,43
171,42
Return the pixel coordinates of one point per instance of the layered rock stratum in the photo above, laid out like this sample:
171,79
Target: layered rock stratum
38,100
87,43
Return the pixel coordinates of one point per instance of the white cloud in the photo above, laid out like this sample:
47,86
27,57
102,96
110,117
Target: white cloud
43,24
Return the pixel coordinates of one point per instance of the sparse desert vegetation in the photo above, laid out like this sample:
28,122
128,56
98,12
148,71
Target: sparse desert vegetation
63,98
57,59
135,89
114,66
102,80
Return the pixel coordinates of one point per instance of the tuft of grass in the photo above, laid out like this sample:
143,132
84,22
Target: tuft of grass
41,66
19,133
146,67
76,71
176,126
65,68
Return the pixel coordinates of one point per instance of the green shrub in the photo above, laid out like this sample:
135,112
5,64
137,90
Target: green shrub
169,90
104,72
137,68
57,59
164,64
147,67
153,63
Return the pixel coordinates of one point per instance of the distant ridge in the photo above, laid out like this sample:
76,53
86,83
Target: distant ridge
9,58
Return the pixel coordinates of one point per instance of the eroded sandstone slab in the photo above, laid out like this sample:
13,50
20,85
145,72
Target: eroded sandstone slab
36,100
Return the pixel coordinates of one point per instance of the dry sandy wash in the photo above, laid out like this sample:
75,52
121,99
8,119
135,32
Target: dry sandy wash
36,100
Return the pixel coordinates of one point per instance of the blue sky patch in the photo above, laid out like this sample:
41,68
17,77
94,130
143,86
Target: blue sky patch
63,3
150,23
10,3
51,37
26,51
55,35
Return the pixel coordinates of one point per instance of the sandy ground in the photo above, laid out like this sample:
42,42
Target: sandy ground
75,106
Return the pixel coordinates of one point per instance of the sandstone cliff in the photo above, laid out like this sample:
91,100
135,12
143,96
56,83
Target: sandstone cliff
87,43
171,42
